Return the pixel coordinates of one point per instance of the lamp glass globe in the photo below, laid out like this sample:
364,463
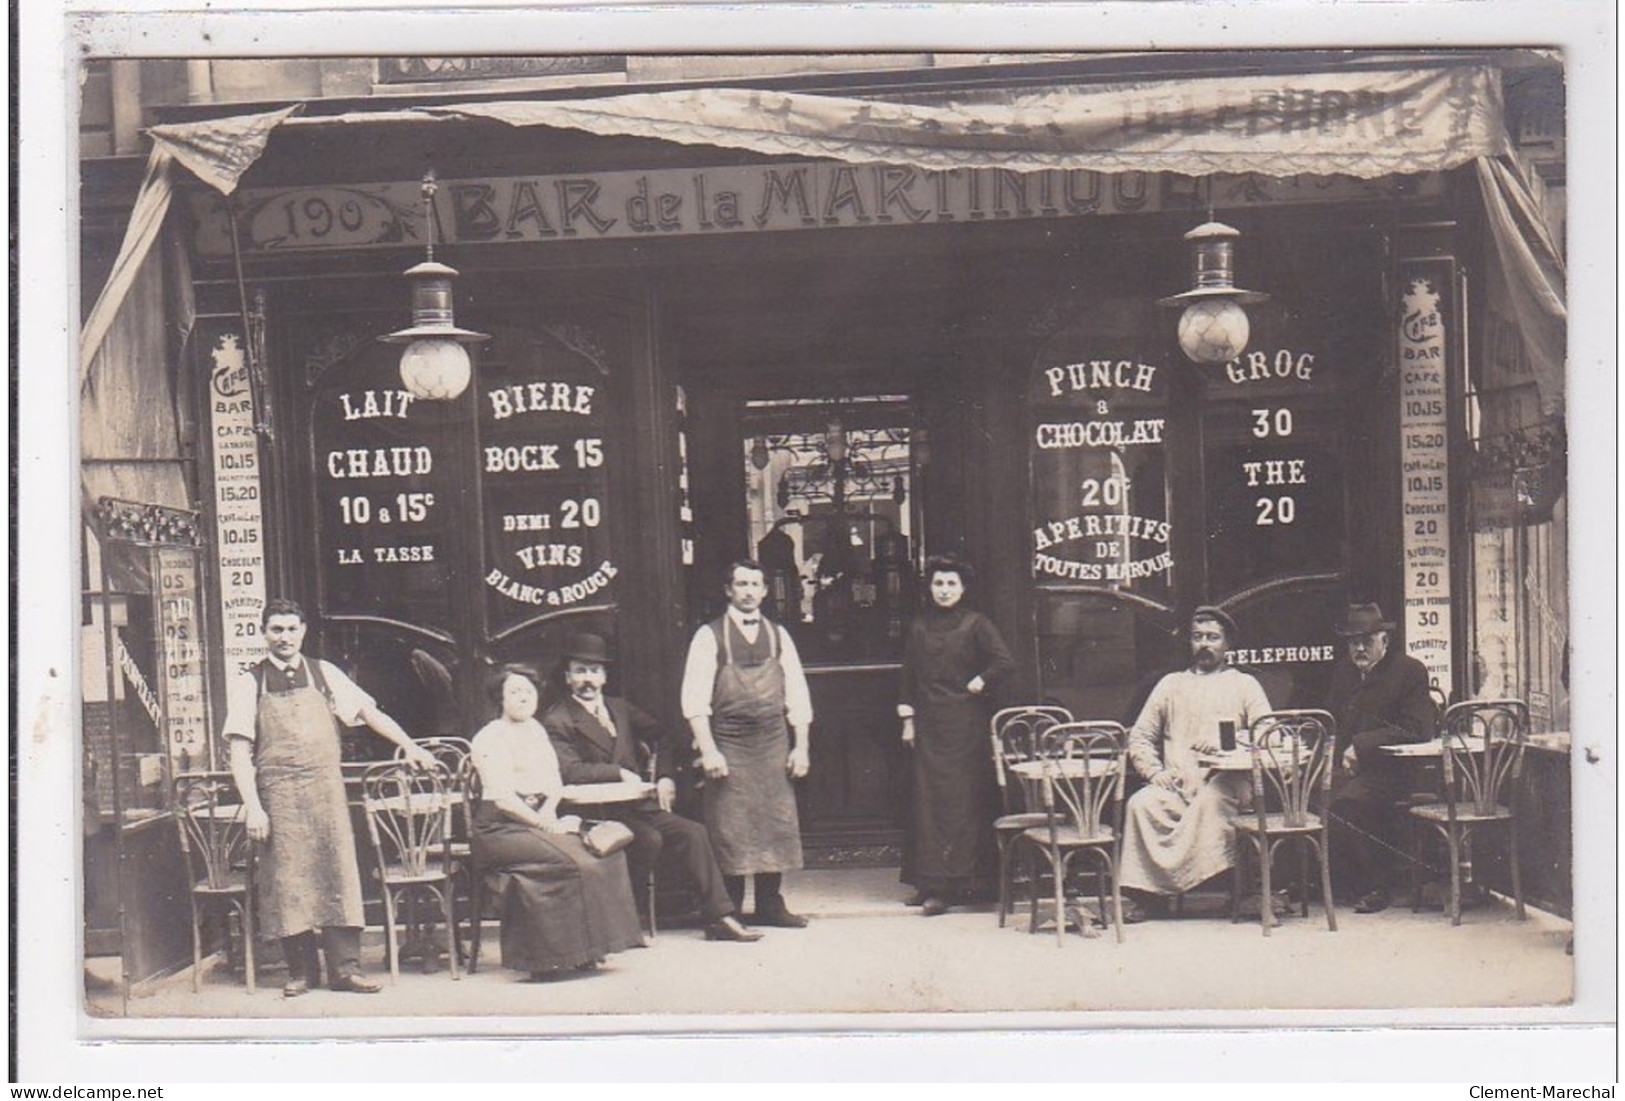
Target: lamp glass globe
435,370
1213,330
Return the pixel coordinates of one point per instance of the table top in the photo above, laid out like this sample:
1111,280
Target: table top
1239,759
620,791
1070,767
1429,748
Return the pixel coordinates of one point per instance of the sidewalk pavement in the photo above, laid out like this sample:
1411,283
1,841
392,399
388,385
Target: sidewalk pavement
865,952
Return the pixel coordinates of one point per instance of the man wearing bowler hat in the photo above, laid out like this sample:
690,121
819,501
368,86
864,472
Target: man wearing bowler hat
1379,697
596,738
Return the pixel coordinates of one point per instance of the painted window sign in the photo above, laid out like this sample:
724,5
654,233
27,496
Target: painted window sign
386,496
399,480
1098,426
544,455
1274,470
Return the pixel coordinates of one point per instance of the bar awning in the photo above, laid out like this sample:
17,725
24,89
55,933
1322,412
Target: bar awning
1365,123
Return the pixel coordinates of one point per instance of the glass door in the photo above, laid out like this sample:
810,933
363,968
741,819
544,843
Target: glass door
830,497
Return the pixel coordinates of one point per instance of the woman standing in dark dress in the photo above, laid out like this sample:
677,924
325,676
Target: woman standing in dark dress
561,907
953,659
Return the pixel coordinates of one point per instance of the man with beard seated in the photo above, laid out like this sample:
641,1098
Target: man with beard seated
1178,830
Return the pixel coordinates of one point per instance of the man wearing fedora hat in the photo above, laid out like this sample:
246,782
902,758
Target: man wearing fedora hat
1178,830
597,738
1379,697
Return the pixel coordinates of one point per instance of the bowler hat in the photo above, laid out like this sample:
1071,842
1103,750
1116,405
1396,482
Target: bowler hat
585,647
1363,619
1209,611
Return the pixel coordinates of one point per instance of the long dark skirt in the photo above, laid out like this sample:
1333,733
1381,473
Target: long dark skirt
951,847
560,906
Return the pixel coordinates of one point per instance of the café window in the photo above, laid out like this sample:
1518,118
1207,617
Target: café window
830,496
1101,526
1274,490
453,535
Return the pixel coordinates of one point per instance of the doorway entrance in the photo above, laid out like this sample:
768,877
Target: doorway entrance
824,492
834,519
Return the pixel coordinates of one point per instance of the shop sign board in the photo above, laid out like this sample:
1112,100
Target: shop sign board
238,512
1423,350
724,200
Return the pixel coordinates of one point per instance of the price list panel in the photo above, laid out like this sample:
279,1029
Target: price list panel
386,496
1097,446
1274,471
185,711
544,456
1424,349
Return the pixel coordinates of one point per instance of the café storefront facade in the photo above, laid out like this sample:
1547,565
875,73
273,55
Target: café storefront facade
838,334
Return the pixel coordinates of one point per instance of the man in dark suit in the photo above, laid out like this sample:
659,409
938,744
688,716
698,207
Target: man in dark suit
597,739
1378,697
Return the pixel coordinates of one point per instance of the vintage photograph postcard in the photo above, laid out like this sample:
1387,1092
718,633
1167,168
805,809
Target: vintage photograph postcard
594,539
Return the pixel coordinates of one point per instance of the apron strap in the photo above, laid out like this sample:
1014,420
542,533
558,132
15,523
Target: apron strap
726,652
314,672
319,679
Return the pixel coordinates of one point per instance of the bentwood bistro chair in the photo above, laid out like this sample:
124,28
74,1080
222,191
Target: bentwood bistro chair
219,859
1015,733
409,820
1481,747
1290,756
1082,767
456,755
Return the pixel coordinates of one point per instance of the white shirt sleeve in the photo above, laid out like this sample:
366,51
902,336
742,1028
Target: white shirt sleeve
349,700
700,674
242,706
494,763
1145,737
1255,704
797,697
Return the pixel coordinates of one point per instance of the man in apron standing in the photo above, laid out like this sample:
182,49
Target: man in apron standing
282,717
744,696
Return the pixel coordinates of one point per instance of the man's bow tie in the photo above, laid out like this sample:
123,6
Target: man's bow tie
752,621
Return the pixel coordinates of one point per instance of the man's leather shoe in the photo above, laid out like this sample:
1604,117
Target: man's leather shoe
728,928
916,899
295,988
1133,912
931,907
1372,902
355,983
779,917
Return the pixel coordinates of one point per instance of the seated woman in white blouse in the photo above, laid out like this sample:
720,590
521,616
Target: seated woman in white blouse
560,906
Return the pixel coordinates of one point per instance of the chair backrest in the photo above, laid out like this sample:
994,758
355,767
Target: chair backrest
1016,734
470,788
1482,744
1083,769
451,752
408,815
455,754
213,826
1441,698
1291,761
